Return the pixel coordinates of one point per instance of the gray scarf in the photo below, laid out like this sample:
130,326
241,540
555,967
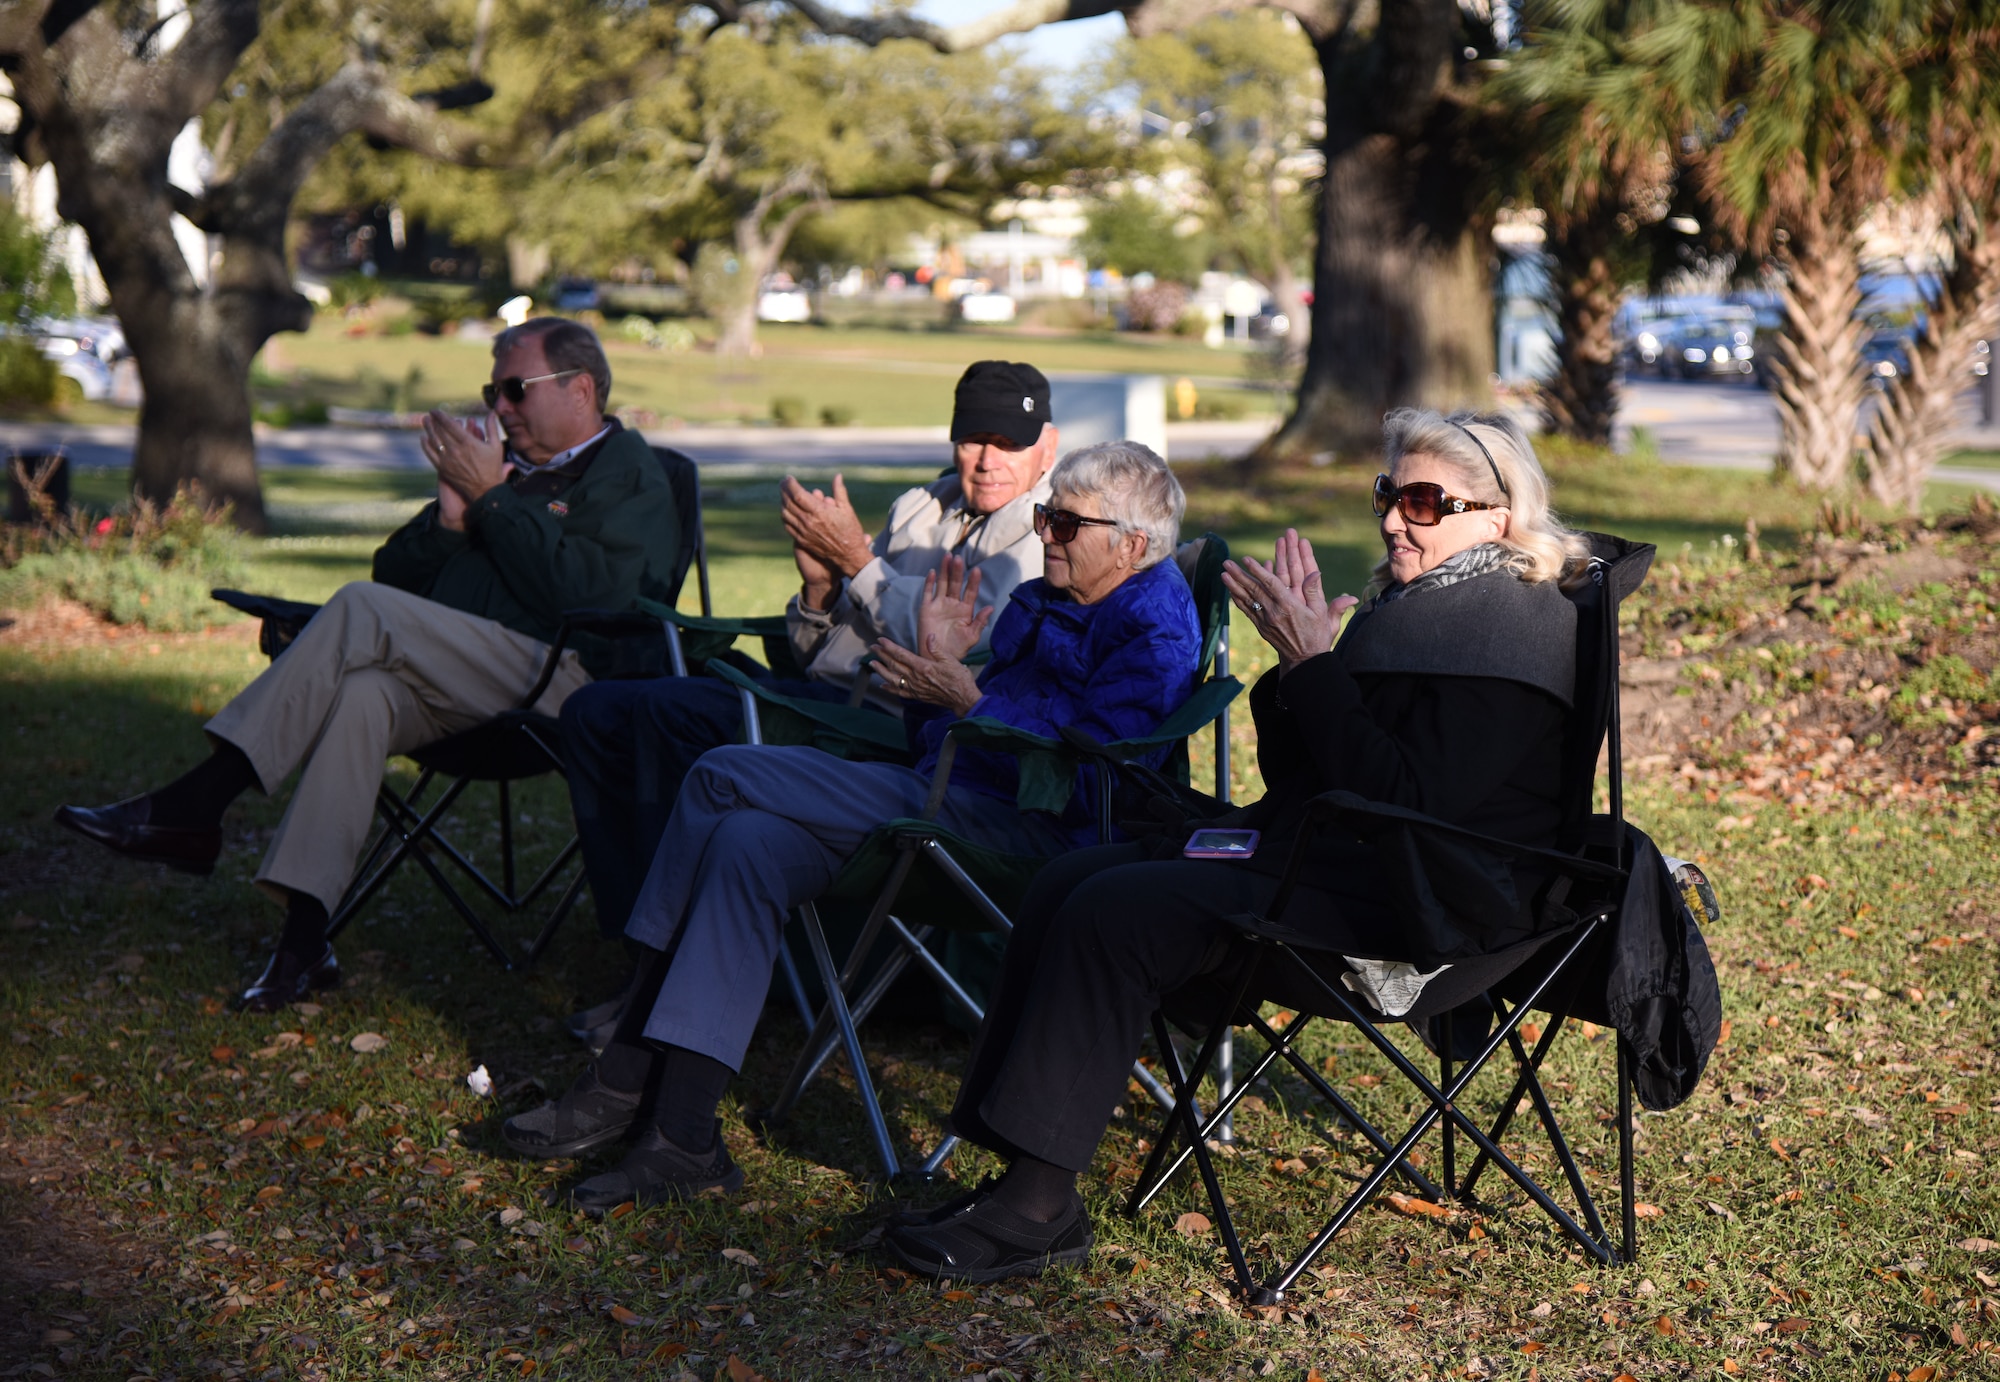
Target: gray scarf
1460,566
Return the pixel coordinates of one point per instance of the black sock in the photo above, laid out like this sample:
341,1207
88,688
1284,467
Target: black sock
1036,1189
624,1067
691,1085
197,798
305,928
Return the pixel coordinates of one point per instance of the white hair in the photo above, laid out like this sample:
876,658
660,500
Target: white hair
1131,482
1493,462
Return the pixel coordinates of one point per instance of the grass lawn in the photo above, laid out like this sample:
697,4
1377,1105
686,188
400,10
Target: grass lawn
882,378
187,1193
1978,460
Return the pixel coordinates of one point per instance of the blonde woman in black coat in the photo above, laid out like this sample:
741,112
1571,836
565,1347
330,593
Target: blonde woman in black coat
1446,693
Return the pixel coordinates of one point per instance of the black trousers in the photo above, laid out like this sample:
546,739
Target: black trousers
1104,936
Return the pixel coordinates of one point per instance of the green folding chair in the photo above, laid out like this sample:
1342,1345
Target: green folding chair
909,908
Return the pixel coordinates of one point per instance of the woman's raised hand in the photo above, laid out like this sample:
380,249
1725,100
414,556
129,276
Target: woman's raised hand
1287,600
950,621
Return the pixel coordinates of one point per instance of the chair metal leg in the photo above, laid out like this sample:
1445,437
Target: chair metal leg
1225,1082
506,836
399,813
790,969
1450,1147
1184,1109
471,918
556,918
836,1002
1627,1205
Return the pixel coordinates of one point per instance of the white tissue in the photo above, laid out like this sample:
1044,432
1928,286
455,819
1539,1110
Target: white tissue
479,1082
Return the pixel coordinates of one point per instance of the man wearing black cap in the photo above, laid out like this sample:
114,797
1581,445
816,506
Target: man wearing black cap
629,744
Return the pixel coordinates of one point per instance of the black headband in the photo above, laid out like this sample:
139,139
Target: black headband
1488,455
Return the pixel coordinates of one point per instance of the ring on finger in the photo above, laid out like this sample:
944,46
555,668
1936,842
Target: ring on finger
1256,607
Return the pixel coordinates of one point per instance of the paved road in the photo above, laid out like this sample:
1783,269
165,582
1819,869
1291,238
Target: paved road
1730,426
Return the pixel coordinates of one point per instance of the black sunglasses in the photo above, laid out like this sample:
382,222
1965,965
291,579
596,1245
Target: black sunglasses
514,388
1421,502
1062,525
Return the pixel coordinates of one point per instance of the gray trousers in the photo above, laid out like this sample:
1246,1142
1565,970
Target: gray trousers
758,830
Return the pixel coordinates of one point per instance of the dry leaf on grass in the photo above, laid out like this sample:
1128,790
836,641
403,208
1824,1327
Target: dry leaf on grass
367,1043
740,1257
1414,1207
1977,1244
1192,1224
624,1316
1647,1211
740,1371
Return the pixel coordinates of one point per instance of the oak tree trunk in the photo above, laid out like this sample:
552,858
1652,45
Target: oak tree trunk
1581,398
1402,308
1919,412
1818,379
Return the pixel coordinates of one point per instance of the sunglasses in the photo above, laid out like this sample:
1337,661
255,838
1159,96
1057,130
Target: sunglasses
514,388
1062,526
1422,503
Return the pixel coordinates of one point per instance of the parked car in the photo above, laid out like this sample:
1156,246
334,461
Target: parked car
577,295
85,377
1646,350
1712,346
782,300
1886,354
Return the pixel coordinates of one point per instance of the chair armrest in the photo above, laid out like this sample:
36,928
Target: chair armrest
871,727
281,619
737,626
1362,815
609,623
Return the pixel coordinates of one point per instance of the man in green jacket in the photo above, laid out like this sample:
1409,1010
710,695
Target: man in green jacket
566,511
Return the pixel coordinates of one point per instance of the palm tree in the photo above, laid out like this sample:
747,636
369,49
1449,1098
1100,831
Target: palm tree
1597,134
1957,109
1804,130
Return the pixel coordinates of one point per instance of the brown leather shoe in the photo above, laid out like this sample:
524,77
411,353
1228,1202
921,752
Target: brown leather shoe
287,979
127,827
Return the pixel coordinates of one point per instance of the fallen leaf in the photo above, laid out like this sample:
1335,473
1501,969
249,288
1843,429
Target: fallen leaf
1923,1374
1648,1211
1718,1211
958,1295
624,1316
666,1353
57,1336
1192,1224
1977,1244
740,1371
1723,1039
269,1193
1730,1366
740,1257
1664,1326
1794,1325
1951,1110
368,1043
1414,1207
223,1053
1532,1347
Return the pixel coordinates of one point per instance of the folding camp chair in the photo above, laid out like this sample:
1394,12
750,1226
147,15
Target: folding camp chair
1553,964
506,749
915,906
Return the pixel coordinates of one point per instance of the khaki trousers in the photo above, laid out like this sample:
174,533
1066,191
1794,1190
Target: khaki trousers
377,672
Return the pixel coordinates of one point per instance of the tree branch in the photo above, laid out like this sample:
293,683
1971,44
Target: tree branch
360,97
193,71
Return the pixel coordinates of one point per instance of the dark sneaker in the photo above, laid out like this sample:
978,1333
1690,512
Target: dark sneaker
911,1218
986,1241
589,1115
656,1171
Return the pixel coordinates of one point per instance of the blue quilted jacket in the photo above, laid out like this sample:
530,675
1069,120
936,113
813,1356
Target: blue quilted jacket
1114,669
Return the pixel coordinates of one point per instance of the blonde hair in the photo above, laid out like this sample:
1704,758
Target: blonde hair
1492,461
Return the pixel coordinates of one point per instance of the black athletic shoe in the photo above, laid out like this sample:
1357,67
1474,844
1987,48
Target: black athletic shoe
589,1115
656,1171
985,1241
913,1218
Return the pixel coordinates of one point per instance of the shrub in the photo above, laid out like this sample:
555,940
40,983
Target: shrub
26,379
152,566
1158,307
836,415
788,411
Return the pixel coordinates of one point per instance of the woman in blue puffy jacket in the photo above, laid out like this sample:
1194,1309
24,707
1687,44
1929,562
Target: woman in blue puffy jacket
1107,640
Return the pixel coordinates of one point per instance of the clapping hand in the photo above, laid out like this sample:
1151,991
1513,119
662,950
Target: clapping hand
949,623
469,457
1286,600
825,527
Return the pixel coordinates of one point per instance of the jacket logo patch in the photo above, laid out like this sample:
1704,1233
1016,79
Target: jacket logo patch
558,508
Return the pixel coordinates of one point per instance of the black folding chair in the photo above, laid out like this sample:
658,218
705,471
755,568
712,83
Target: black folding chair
1555,963
506,749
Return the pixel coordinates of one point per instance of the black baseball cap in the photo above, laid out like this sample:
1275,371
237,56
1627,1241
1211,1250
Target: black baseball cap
1003,397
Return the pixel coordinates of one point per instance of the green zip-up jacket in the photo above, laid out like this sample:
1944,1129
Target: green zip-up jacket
597,532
